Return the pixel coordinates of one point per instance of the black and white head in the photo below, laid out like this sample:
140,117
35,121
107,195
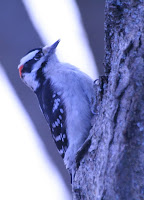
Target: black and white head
31,67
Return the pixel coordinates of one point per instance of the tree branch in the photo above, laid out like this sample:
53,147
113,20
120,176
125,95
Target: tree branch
113,166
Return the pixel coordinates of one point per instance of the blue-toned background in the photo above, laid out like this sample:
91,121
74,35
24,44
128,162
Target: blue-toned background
30,166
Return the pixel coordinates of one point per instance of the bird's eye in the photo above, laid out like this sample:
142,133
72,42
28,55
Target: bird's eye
38,56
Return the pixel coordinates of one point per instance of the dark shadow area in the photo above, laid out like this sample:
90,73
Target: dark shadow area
92,13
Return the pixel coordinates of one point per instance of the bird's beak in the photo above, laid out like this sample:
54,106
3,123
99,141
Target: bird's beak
51,49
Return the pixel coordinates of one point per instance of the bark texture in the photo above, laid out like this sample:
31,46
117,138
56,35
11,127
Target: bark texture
113,166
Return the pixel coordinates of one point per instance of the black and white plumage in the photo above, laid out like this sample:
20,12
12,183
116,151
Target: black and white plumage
54,112
64,94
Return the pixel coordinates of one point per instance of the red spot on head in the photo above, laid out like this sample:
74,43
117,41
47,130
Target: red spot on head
20,69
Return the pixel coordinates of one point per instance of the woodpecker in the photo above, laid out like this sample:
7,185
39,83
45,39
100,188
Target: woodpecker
64,94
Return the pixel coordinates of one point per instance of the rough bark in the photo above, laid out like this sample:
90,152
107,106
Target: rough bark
113,166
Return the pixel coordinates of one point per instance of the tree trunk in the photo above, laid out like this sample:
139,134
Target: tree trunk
113,166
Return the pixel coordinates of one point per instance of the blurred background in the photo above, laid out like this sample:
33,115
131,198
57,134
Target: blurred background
30,166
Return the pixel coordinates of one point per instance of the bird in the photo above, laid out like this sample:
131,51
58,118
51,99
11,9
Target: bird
65,94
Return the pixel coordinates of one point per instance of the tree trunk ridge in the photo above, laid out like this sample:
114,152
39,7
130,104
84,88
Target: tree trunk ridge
113,166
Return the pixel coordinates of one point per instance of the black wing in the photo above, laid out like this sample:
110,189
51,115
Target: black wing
54,112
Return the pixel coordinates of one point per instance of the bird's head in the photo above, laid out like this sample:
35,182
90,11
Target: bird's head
31,67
